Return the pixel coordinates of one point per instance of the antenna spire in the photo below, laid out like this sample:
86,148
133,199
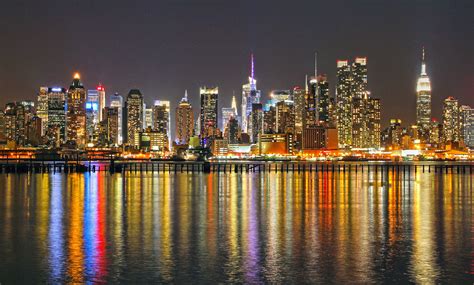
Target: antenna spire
316,65
252,71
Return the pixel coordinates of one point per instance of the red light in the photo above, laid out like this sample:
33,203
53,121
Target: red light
100,88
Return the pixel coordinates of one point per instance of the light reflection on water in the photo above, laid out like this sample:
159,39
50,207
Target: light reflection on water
248,227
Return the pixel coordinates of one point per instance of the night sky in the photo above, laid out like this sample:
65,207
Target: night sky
165,47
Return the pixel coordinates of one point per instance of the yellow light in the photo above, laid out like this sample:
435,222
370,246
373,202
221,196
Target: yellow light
77,76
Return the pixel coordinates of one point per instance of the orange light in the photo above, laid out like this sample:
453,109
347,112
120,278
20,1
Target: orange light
77,75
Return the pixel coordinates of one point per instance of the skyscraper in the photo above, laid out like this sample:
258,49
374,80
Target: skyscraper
451,121
229,112
344,103
255,127
184,121
92,115
101,96
116,101
423,101
162,118
250,95
299,101
365,122
467,125
42,109
310,114
134,108
76,113
323,101
56,124
209,114
285,117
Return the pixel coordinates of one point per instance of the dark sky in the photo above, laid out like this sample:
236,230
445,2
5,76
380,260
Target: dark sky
164,47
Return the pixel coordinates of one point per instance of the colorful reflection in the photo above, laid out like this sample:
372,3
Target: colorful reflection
273,227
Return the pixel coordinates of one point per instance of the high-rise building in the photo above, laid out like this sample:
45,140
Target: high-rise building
365,122
359,77
110,123
467,125
232,131
209,114
184,121
76,113
299,102
101,96
269,120
162,118
228,113
149,114
344,103
42,109
255,127
116,101
451,121
392,135
134,109
423,101
250,95
285,117
56,124
92,115
323,101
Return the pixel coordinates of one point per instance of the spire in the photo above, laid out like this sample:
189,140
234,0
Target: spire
316,65
252,71
306,83
423,64
234,105
185,98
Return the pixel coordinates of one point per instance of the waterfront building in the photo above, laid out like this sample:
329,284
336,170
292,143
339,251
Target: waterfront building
276,144
220,147
250,95
116,101
134,116
392,135
451,121
208,114
435,134
319,137
359,77
150,140
184,121
76,113
365,122
423,101
467,125
110,126
344,103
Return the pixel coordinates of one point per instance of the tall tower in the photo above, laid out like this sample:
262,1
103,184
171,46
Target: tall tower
76,112
250,95
208,117
184,121
451,121
311,100
423,101
101,94
116,101
135,113
42,109
344,102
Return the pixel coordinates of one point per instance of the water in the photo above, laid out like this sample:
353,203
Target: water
241,228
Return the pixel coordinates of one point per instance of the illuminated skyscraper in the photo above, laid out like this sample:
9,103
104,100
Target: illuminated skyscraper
255,127
250,95
116,101
451,121
323,101
76,113
228,113
467,125
209,113
101,96
162,118
134,109
148,121
92,115
344,103
299,102
184,121
56,124
365,122
285,117
232,131
359,77
42,109
423,101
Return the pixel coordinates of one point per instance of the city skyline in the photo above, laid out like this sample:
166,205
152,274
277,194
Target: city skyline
160,70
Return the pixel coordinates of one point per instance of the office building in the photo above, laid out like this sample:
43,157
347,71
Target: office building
208,114
76,113
56,122
134,110
451,121
184,121
467,125
116,101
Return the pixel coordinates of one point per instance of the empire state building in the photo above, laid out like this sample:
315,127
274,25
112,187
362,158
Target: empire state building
423,100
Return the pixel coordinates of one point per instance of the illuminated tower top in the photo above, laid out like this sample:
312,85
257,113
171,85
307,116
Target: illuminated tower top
234,105
423,84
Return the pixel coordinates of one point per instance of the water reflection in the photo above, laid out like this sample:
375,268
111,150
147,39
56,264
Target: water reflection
245,228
